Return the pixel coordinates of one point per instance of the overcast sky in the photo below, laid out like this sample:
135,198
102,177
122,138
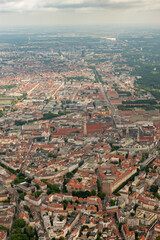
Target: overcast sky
79,12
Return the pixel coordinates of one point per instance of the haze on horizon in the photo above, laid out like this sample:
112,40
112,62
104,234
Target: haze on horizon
79,12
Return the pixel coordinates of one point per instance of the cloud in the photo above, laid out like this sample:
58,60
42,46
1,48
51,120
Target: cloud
48,5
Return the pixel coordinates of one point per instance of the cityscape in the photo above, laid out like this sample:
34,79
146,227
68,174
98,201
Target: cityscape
80,134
